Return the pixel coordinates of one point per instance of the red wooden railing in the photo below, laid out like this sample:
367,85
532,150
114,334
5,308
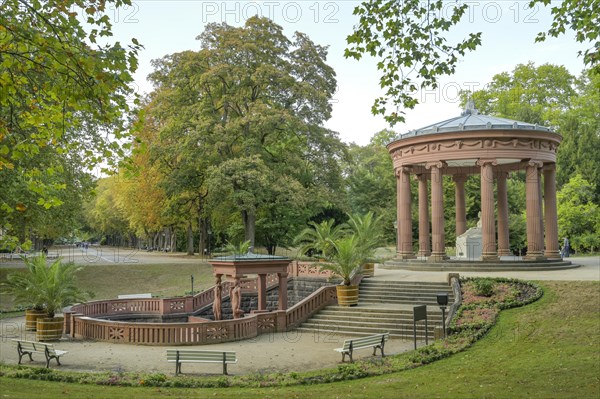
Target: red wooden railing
80,321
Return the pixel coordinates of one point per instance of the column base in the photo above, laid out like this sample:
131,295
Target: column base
423,254
504,252
437,257
490,258
552,254
534,256
405,255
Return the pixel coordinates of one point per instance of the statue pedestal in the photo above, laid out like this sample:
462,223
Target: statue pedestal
469,244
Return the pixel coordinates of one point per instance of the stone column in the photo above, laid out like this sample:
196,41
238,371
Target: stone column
459,203
262,292
503,234
488,221
550,213
283,297
541,207
535,237
405,249
437,212
424,238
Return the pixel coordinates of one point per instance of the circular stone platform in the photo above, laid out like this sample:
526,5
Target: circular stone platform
478,266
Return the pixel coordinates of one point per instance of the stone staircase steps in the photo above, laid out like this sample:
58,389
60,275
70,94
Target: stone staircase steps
384,306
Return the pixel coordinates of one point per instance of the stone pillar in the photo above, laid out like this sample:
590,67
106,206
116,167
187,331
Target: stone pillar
535,237
262,292
437,212
488,221
550,213
541,203
405,249
424,238
503,234
283,294
459,203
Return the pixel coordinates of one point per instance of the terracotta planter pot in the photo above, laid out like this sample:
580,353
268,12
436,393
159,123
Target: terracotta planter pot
50,329
368,269
347,295
31,316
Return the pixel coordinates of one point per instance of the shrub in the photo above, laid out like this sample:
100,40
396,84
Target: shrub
484,287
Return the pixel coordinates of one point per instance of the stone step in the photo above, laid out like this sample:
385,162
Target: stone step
424,284
375,313
392,300
368,320
394,333
401,294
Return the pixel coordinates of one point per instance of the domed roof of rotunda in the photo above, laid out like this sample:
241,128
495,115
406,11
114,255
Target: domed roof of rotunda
469,120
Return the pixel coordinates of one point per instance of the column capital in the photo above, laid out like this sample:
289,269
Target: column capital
486,161
502,174
460,178
421,176
549,166
437,164
534,162
402,169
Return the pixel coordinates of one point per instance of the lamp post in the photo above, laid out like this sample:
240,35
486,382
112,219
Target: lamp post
442,300
192,279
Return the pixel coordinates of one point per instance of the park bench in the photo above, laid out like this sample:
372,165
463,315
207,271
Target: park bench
371,341
179,356
31,347
135,296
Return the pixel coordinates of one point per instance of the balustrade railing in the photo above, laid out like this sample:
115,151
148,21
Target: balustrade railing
80,321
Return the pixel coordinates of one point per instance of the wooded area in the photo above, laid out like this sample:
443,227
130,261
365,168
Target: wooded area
230,145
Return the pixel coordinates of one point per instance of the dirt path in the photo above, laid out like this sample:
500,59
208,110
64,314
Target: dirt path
283,352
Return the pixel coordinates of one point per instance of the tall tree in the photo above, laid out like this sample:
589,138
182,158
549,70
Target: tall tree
61,93
410,40
371,182
253,105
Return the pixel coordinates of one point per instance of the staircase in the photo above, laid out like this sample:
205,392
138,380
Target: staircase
383,306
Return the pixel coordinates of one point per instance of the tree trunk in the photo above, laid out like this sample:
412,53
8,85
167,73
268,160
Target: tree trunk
249,219
173,239
190,239
202,234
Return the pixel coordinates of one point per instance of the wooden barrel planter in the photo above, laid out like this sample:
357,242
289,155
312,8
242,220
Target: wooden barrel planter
347,295
31,316
368,270
50,329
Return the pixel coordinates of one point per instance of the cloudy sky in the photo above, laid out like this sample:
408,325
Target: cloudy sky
509,28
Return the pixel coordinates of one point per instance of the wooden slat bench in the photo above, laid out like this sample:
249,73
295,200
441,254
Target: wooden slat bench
371,341
200,356
31,347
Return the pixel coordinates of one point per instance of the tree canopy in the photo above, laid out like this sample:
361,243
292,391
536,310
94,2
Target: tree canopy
410,40
63,103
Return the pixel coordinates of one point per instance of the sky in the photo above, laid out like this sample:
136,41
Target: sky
509,29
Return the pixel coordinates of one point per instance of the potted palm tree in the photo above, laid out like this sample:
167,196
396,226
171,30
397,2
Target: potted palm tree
53,286
367,229
346,259
20,286
318,239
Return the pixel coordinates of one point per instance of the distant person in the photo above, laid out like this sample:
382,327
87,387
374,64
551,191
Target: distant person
45,251
566,248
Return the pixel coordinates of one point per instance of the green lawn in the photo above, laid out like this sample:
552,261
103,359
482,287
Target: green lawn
108,281
549,349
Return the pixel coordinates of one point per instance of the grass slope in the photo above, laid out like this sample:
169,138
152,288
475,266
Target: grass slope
108,281
549,349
